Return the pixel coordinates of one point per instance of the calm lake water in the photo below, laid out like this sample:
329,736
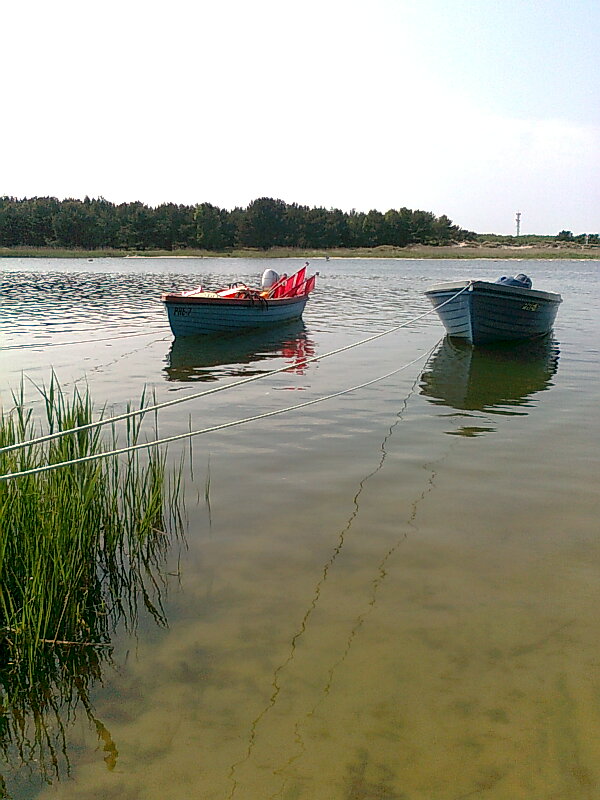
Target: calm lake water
390,594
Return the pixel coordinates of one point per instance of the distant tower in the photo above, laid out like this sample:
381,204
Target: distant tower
518,222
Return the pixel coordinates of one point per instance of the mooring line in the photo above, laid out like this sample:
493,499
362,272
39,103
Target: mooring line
83,379
212,429
381,574
216,389
377,581
297,732
275,683
77,341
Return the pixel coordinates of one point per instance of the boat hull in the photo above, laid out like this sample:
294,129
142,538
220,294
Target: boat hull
481,312
189,316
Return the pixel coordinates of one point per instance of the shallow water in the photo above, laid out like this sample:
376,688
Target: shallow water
389,594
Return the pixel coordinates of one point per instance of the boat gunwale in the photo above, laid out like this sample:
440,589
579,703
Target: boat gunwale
492,287
240,302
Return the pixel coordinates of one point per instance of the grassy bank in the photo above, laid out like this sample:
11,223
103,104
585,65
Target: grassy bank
71,537
80,547
556,250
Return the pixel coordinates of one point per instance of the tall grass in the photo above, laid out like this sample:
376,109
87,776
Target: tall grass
80,548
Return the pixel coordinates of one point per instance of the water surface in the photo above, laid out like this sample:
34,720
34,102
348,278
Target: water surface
390,594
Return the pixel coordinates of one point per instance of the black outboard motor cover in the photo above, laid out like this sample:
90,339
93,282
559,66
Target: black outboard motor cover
520,280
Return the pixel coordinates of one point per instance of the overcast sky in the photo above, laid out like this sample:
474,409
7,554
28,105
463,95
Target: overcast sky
475,109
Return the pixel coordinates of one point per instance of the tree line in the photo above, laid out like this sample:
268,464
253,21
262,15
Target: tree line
92,224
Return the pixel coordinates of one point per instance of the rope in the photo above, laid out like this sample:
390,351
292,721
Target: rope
242,382
77,341
211,429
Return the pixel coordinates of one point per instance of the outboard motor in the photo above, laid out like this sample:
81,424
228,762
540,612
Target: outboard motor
520,280
269,278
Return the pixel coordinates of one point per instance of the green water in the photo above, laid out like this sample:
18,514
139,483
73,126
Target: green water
391,594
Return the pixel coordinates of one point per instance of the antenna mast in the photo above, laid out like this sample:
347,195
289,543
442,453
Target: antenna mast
518,223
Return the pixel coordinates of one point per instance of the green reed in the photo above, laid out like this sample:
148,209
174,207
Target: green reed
80,548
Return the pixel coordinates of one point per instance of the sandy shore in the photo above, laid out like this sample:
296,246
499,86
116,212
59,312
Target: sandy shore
463,251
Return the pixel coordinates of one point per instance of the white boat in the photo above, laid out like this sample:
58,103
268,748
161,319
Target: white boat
481,312
239,307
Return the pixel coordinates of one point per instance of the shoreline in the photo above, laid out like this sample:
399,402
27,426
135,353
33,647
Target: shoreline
414,252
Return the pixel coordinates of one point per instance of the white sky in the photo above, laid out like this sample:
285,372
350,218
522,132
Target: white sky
471,108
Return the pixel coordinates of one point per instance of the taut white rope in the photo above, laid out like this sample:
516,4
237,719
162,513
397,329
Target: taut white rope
243,381
211,429
79,341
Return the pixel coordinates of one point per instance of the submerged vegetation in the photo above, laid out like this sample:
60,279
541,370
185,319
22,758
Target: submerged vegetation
80,547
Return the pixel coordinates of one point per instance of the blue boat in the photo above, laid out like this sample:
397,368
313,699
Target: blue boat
239,307
481,312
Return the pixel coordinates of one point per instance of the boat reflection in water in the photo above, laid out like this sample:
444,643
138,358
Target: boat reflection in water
497,379
210,358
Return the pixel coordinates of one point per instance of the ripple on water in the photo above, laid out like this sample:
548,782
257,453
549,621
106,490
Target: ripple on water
364,605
